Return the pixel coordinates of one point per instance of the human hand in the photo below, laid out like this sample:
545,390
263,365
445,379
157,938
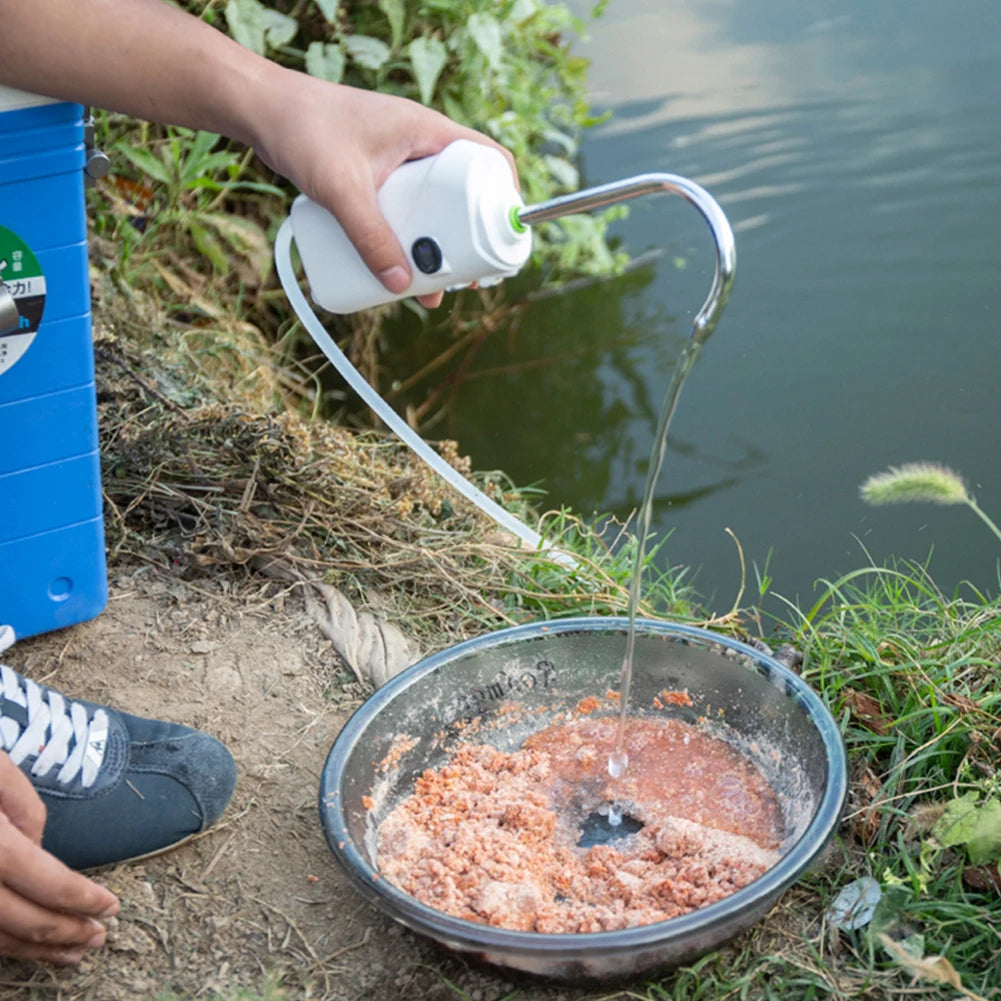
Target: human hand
338,145
47,911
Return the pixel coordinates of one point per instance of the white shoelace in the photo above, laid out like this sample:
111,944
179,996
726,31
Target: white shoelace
57,730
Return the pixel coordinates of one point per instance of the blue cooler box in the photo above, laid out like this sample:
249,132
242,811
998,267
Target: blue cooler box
52,558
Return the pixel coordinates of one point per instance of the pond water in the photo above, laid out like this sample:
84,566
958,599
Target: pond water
856,149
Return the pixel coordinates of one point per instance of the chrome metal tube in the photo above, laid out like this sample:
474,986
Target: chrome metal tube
645,184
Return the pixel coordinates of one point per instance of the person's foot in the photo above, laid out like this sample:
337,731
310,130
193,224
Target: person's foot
116,787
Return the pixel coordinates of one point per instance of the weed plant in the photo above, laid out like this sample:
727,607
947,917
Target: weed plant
913,677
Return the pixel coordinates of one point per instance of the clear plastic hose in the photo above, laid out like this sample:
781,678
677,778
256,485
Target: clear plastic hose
309,319
581,201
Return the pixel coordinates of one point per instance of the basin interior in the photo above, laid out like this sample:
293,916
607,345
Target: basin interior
499,692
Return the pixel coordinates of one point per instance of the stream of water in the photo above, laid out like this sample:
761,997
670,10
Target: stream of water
618,760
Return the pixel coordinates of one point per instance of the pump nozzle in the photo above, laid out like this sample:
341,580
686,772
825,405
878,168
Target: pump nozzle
644,184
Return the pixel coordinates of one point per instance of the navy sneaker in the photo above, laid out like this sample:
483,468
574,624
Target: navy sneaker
116,787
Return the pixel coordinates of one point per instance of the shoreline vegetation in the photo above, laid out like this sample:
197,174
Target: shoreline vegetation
221,450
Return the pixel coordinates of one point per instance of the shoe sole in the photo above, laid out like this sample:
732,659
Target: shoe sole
145,855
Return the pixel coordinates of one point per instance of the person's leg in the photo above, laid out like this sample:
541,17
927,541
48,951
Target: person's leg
115,786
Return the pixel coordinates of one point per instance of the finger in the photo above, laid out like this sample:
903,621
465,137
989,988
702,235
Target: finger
30,873
19,801
24,921
431,300
41,952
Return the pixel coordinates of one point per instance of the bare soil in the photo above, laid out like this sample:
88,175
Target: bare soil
257,904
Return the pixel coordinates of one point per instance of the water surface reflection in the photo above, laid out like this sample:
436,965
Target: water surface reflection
855,149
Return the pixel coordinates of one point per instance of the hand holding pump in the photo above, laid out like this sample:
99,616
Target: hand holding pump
453,215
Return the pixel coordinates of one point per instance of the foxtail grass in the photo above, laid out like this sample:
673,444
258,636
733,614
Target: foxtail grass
922,482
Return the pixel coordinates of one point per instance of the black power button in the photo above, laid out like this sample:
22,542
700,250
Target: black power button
426,254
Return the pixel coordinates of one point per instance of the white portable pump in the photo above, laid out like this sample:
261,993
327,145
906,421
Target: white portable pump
461,219
455,213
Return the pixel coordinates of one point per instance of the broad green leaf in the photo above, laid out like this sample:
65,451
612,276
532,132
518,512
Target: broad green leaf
256,27
280,29
958,818
427,57
563,170
522,10
396,15
198,160
975,825
214,161
208,173
372,53
328,8
206,184
145,161
258,186
201,144
209,247
485,31
325,61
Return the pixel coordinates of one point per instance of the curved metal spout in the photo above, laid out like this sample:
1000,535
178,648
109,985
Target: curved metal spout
645,184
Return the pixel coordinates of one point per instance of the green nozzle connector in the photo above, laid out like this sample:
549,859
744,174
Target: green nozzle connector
514,217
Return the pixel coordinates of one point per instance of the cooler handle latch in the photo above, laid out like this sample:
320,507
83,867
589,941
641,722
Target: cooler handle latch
97,163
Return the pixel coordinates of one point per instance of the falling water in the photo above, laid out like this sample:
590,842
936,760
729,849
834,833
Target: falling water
703,325
618,760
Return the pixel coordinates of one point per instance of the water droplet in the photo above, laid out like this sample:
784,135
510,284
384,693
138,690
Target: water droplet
617,762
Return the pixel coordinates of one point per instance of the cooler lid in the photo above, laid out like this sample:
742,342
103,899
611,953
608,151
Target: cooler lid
12,100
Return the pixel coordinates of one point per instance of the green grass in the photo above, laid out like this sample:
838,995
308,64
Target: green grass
913,677
595,579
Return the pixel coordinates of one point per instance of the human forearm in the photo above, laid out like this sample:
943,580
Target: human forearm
144,58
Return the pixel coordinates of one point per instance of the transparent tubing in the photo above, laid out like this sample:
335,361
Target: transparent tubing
302,308
581,201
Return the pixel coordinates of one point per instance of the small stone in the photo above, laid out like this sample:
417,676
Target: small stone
789,656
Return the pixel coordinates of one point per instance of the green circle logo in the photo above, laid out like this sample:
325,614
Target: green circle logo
22,297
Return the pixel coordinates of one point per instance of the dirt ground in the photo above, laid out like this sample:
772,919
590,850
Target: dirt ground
258,903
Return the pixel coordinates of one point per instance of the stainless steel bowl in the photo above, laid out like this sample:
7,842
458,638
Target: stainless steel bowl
411,724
